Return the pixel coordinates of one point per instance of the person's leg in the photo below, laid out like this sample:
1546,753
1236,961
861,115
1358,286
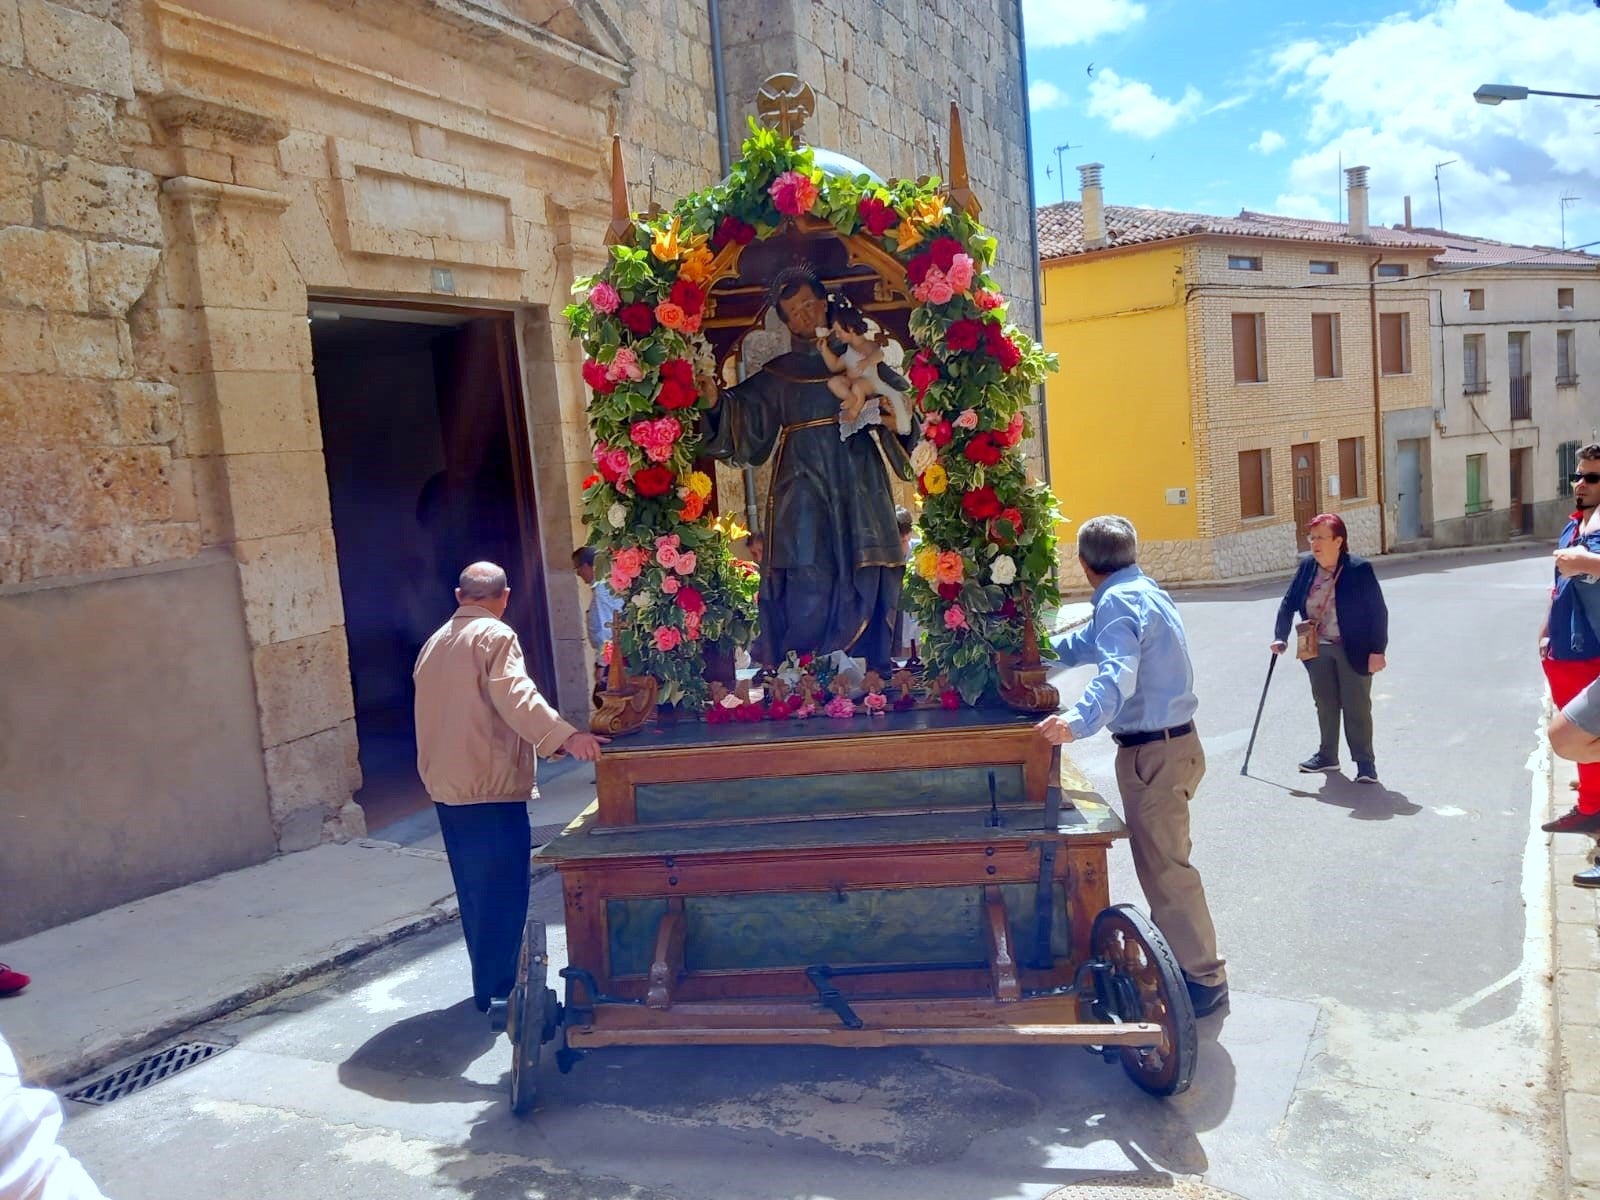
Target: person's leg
1157,781
1355,703
1324,676
1567,679
488,846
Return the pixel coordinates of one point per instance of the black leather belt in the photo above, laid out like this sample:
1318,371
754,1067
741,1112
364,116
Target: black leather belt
1144,737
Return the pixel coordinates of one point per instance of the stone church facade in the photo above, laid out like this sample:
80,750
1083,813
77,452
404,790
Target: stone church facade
281,348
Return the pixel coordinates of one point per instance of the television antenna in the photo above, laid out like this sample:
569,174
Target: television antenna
1061,171
1438,194
1567,199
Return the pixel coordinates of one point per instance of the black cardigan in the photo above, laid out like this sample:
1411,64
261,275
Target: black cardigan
1357,601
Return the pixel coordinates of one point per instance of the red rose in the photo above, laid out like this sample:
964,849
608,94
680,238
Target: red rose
1008,609
979,504
962,336
678,370
690,600
589,481
943,251
876,216
917,269
687,297
950,698
594,374
1003,349
733,230
983,449
1006,516
949,591
678,388
640,319
941,433
923,372
657,481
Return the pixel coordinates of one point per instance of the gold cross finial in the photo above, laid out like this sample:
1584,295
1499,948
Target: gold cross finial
783,102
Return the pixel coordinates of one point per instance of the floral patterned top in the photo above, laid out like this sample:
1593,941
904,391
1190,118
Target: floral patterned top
1320,606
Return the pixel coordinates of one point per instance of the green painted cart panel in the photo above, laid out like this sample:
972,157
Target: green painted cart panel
826,794
766,930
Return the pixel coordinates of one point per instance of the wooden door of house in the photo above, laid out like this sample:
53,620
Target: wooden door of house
1521,508
1307,497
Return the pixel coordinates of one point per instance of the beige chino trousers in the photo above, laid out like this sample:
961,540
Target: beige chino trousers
1157,780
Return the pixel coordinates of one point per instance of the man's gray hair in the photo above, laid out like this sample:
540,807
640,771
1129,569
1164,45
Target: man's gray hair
1108,544
483,581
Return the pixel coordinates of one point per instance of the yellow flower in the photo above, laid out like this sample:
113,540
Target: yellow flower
665,246
926,562
935,480
906,236
929,211
700,484
696,265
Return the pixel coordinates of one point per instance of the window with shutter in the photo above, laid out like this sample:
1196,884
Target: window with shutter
1255,483
1473,381
1352,468
1566,464
1566,368
1249,349
1477,492
1325,345
1394,348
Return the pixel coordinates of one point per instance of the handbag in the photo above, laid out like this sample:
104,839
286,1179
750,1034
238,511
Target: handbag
1305,640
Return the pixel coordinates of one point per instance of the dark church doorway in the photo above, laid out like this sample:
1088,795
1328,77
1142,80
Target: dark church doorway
427,452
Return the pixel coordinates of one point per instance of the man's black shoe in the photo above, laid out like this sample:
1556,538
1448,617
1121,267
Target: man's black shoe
1319,762
1589,877
1573,821
1205,998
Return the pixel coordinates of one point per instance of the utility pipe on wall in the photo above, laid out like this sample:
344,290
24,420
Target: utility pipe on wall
1033,237
1377,406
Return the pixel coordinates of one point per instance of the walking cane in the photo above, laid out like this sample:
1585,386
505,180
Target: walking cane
1245,770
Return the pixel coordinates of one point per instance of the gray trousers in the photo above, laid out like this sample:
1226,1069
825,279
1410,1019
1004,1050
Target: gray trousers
1157,780
1339,690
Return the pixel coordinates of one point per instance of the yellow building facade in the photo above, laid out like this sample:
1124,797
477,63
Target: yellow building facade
1217,377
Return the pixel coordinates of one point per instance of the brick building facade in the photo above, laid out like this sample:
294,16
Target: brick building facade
280,290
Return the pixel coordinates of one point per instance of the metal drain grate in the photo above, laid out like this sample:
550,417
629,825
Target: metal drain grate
149,1070
539,835
1129,1187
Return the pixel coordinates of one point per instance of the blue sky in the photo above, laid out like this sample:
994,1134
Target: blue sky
1213,107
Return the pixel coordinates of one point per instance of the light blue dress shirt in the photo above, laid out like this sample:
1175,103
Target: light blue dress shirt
602,609
1145,681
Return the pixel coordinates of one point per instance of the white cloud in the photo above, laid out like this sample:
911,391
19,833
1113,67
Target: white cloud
1397,97
1270,142
1132,107
1044,94
1048,23
1225,105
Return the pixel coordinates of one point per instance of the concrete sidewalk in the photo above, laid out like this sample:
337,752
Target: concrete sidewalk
1577,979
116,983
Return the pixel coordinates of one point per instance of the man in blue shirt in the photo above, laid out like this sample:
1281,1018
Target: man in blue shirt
1143,692
603,609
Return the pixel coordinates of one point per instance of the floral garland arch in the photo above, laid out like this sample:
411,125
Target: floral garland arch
985,568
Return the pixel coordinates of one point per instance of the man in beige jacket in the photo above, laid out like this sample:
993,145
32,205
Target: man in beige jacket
480,725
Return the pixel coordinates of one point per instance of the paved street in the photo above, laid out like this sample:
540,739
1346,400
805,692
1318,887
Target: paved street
1388,1038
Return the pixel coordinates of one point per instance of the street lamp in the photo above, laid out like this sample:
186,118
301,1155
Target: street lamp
1495,93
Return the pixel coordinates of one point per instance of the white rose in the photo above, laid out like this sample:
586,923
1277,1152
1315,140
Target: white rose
1003,570
924,456
617,514
644,600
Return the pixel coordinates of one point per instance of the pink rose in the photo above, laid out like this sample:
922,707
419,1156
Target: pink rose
625,365
616,461
641,433
604,298
793,193
954,618
968,419
840,708
923,292
1014,430
620,579
960,272
667,638
942,292
659,453
670,584
876,702
668,539
667,555
686,563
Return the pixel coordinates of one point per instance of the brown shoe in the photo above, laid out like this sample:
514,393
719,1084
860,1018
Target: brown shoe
1573,821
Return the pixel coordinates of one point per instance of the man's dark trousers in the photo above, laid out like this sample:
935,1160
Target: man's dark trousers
488,845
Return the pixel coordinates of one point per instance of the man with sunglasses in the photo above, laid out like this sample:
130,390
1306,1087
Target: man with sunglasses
1569,644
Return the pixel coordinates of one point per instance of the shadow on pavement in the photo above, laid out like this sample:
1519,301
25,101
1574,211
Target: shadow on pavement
422,1059
1364,801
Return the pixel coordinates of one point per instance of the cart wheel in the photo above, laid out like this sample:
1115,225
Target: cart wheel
529,1017
1147,985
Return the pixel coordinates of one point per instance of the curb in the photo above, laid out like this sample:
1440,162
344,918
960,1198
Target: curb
1575,966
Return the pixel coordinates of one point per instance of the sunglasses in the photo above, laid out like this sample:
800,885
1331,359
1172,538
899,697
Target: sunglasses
1584,477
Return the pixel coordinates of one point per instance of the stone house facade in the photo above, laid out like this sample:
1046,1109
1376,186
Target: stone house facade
281,348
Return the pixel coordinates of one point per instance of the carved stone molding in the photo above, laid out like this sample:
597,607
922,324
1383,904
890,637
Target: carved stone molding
180,110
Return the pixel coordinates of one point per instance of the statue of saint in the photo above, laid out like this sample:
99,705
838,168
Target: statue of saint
834,562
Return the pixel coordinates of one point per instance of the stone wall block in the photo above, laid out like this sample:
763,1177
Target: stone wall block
143,413
42,269
133,482
10,34
25,337
119,274
237,260
86,346
273,494
309,781
75,48
291,585
32,110
303,686
108,201
47,410
265,412
18,181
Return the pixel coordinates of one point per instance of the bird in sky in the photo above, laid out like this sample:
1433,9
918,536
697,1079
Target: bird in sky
1089,71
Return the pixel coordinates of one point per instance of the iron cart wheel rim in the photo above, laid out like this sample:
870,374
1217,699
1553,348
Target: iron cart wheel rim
529,1023
1149,986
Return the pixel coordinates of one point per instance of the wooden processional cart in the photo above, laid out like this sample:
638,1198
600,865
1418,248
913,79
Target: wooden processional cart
927,876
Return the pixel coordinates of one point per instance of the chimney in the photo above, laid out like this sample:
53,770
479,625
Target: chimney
1094,206
1408,212
1356,178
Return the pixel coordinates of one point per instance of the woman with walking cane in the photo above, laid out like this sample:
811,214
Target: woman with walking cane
1341,639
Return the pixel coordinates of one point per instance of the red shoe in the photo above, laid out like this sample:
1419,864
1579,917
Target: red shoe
11,982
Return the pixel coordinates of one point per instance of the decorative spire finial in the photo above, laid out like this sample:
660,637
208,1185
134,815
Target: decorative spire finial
621,227
783,102
959,187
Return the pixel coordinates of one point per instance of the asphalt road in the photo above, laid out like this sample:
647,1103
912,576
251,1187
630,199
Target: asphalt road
1388,1038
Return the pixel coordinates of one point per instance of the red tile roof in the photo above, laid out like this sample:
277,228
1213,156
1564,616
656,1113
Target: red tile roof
1461,250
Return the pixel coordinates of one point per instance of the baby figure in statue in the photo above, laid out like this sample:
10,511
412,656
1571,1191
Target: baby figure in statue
857,378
